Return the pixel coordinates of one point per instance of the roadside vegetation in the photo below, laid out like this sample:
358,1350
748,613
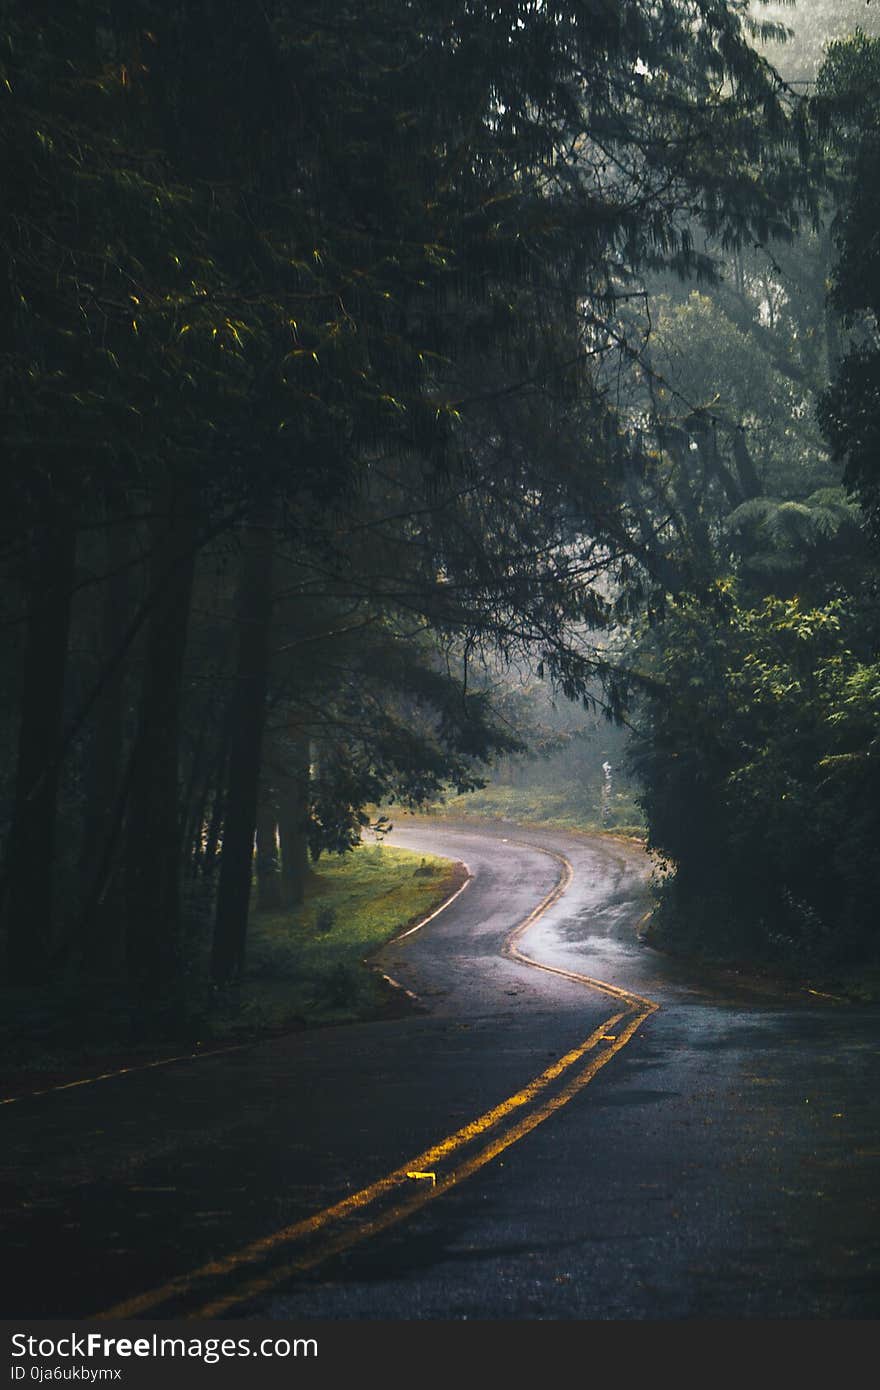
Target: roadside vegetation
452,352
307,967
576,776
756,734
549,806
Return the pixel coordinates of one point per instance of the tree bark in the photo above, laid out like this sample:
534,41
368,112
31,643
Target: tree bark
193,802
214,832
249,702
152,837
268,864
104,899
28,890
745,464
293,814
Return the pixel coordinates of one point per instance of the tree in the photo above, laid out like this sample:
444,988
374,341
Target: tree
357,301
849,99
753,748
759,776
812,25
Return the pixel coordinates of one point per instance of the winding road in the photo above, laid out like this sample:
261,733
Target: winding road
567,1125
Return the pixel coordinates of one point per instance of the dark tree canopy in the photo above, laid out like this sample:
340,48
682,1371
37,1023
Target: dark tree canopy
322,323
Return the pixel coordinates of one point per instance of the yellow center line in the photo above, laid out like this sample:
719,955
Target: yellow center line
512,951
257,1249
416,1197
421,1195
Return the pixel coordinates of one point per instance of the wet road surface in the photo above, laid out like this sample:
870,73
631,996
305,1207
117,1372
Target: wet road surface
720,1161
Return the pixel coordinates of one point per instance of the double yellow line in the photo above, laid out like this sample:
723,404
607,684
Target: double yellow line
273,1259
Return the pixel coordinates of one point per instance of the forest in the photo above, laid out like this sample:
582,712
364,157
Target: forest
359,357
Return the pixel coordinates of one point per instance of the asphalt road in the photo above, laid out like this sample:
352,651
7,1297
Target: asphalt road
523,1145
724,1164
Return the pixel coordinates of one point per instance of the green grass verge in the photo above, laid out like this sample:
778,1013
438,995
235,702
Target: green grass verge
305,968
309,965
557,810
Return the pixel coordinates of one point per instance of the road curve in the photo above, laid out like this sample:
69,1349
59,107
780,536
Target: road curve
469,968
523,1145
725,1166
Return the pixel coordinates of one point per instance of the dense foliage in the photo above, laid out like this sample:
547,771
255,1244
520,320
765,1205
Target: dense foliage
757,748
343,345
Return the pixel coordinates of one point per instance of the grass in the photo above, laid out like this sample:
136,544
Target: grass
309,966
305,968
546,806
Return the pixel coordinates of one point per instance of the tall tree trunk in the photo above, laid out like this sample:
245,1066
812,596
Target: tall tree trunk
203,832
152,838
249,697
268,866
28,889
194,801
293,814
104,896
745,464
214,831
207,773
710,456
